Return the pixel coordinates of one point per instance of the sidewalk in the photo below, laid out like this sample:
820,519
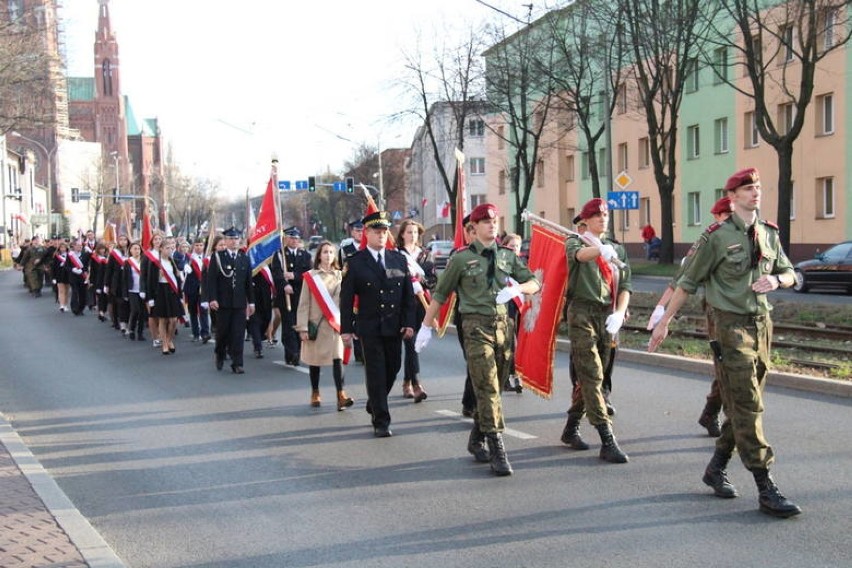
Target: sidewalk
39,525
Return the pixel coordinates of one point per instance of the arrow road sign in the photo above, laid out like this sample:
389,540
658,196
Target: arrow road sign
302,184
622,200
339,186
285,185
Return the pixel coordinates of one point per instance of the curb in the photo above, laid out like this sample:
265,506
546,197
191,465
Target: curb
794,381
94,549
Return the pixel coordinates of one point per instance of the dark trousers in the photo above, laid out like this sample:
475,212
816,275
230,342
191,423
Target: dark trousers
138,315
78,297
258,323
197,316
230,334
289,336
382,360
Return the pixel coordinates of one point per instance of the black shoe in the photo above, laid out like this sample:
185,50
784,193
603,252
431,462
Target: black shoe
499,461
172,349
237,370
571,434
258,355
476,445
609,446
716,477
519,388
771,501
369,408
709,419
205,339
467,412
382,432
140,337
219,363
132,336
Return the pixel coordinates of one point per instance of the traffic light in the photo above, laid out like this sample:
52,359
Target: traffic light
115,195
350,185
75,195
312,183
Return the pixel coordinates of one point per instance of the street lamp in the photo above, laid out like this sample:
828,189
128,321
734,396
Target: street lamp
114,156
49,156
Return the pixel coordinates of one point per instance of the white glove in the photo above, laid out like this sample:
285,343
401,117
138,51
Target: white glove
106,290
151,304
187,268
54,281
142,295
77,270
608,252
205,305
507,294
423,337
418,288
656,317
614,322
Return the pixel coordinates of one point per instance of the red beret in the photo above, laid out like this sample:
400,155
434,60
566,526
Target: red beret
722,206
747,176
593,207
483,211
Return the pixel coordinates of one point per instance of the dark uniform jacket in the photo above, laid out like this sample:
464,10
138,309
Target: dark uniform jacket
229,280
152,277
385,297
298,263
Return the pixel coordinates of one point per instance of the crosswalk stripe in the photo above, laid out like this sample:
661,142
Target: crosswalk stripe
507,432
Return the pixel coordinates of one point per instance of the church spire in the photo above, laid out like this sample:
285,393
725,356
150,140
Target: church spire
104,29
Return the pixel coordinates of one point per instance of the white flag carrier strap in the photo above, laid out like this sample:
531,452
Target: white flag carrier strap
326,302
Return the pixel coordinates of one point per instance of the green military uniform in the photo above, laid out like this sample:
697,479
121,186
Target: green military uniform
33,269
727,259
485,324
590,301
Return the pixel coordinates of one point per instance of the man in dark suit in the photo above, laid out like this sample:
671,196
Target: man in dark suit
379,278
231,295
297,261
349,246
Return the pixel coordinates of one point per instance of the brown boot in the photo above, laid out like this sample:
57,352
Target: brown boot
343,401
406,390
315,398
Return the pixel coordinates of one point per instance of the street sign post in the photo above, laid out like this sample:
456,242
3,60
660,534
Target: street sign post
339,186
618,200
284,185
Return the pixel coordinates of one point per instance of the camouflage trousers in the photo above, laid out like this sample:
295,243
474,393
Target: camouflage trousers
488,348
591,346
745,342
714,397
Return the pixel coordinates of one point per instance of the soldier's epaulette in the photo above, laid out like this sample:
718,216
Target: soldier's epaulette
713,228
770,224
506,248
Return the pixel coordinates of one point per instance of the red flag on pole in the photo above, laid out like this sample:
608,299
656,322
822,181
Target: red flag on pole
446,311
536,342
147,234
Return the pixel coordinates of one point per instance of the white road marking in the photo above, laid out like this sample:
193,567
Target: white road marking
301,369
508,431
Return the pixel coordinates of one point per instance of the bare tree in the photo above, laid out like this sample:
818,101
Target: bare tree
663,36
779,47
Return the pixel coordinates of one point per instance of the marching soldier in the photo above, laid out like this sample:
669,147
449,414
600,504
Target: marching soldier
297,261
230,294
481,276
31,260
739,262
380,279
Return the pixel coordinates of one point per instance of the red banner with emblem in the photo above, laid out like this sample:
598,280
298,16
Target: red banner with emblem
536,334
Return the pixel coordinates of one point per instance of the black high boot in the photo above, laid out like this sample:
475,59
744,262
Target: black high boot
716,477
476,445
710,419
571,433
499,462
609,447
770,498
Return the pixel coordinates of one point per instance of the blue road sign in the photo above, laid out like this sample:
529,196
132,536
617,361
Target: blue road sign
339,186
622,199
285,185
302,184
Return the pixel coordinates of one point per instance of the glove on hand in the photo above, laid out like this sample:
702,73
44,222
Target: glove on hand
608,253
423,337
507,294
614,322
656,317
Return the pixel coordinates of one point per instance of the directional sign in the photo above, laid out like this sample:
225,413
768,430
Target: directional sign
622,200
339,186
282,184
302,184
397,216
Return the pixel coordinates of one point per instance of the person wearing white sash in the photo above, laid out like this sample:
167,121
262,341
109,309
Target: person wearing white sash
318,323
165,305
132,286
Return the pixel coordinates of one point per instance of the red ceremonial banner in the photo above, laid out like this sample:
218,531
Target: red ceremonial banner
540,319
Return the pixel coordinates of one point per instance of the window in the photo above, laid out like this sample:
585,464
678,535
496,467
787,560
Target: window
569,168
757,47
644,153
621,98
829,21
501,182
476,127
825,114
539,173
15,10
825,197
718,193
693,142
601,104
786,114
622,157
693,212
751,135
691,75
584,164
645,211
792,200
785,36
720,136
476,200
477,166
602,165
720,65
501,138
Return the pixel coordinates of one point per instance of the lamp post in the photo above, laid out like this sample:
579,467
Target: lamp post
49,156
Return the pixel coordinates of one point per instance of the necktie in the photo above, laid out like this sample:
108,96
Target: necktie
489,254
379,260
755,246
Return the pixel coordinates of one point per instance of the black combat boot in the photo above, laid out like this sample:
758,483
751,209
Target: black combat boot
499,462
476,445
710,419
716,477
770,498
571,433
609,447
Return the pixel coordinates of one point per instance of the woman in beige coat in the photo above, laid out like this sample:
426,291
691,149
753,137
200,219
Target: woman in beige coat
321,344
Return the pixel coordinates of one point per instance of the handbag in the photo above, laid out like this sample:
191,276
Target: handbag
313,330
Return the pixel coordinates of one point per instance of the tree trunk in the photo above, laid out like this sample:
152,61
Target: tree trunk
667,219
785,190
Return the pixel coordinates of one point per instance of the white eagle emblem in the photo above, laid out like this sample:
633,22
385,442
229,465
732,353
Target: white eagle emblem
532,312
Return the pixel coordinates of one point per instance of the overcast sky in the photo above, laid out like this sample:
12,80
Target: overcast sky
232,82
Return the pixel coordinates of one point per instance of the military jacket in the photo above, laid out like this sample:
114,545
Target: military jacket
585,281
385,296
727,261
467,274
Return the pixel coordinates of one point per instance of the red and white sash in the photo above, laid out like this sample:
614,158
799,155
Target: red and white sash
326,303
116,254
169,277
134,265
75,260
196,262
98,258
267,275
60,258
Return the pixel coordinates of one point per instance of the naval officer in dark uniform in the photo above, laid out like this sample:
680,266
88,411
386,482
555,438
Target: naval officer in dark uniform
379,278
231,295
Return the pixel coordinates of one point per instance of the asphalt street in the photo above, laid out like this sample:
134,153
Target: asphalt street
177,465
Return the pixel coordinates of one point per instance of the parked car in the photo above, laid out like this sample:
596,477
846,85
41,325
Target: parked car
439,252
315,241
829,269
